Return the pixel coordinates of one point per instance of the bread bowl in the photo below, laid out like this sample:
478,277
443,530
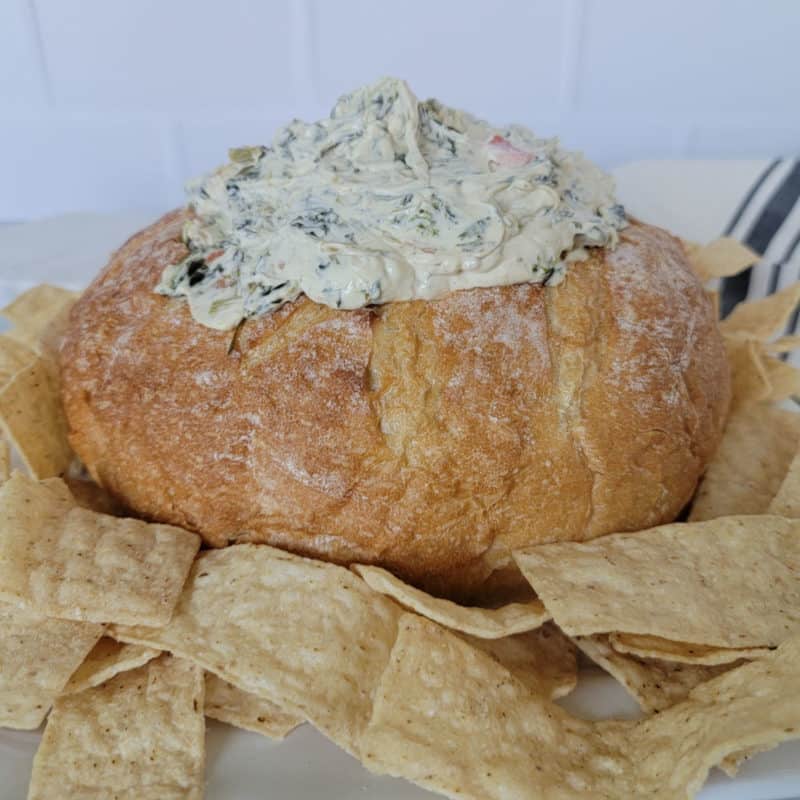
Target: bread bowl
430,436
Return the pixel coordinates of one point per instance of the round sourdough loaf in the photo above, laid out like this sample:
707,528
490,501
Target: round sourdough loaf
429,437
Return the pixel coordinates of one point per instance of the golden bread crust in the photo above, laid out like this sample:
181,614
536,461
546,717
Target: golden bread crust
429,437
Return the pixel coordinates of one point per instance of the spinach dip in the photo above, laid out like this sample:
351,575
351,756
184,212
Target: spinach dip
388,199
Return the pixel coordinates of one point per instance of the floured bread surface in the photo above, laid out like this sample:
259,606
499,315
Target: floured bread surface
427,437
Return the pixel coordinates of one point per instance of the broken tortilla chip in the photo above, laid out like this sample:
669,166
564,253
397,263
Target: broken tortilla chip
750,463
545,660
307,635
720,259
750,382
727,582
139,735
13,357
764,318
653,683
5,461
226,703
681,652
72,563
784,379
107,659
786,344
33,420
37,657
454,721
786,502
450,718
34,311
486,623
745,710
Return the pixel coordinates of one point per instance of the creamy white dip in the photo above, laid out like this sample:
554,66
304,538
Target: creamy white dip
388,199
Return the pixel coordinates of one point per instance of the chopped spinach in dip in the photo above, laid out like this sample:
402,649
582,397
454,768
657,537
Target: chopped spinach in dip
388,199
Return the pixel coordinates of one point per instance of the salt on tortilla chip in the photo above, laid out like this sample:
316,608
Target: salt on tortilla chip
720,259
34,311
750,382
786,502
750,463
32,418
784,379
762,319
107,659
307,635
653,683
486,623
139,735
727,582
72,563
545,660
13,357
681,652
454,721
226,703
37,657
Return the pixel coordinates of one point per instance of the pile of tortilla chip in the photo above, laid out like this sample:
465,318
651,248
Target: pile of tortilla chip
125,636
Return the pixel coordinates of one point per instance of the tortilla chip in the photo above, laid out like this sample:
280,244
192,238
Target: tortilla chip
13,357
653,683
33,420
762,319
5,461
786,344
544,660
749,709
226,703
72,563
728,582
750,382
720,259
786,502
749,465
89,495
784,379
37,657
731,764
139,736
309,636
34,311
107,659
681,652
452,720
486,623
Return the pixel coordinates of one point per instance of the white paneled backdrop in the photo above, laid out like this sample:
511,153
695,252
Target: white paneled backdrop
112,104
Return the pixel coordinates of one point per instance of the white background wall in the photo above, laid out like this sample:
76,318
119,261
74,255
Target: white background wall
112,104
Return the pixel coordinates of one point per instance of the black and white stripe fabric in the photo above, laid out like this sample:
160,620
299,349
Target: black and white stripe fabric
768,221
757,203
